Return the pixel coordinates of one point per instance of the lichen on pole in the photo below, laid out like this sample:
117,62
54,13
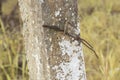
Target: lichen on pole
51,54
33,34
65,54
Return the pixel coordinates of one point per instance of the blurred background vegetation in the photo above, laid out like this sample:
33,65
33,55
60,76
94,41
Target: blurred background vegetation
100,26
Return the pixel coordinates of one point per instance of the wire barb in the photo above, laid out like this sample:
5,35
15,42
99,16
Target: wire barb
86,43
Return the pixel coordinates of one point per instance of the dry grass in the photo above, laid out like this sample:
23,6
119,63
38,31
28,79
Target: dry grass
12,60
100,25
